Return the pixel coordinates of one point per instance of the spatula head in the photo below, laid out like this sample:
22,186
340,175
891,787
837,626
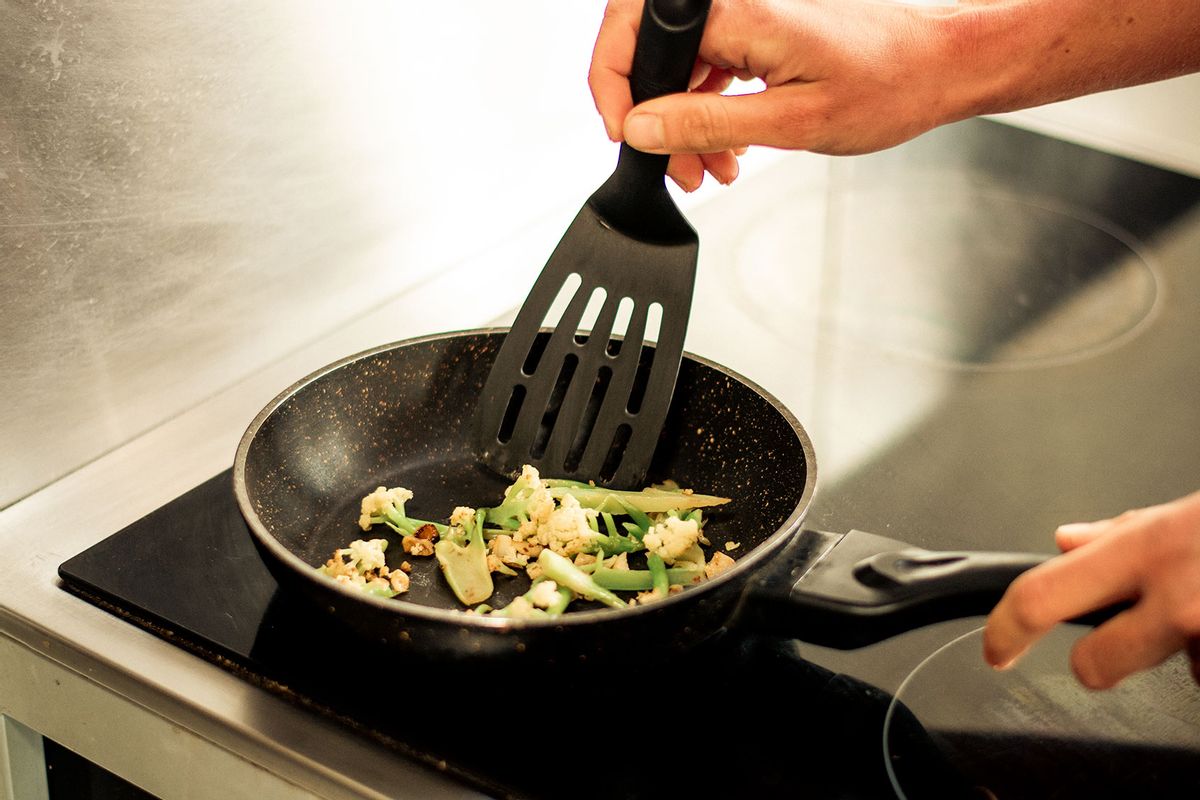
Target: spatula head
590,404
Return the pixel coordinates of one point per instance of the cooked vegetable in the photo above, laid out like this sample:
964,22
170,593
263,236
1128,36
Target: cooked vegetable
567,574
465,566
539,527
641,580
654,500
386,506
363,565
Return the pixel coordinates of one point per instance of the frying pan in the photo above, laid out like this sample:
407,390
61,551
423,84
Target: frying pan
401,415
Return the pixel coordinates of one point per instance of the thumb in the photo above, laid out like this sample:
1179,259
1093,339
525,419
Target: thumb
699,122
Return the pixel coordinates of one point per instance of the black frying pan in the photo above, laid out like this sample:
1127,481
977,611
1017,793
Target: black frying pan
401,415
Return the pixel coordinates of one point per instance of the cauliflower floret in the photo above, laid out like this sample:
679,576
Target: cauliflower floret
528,549
463,517
368,555
378,501
539,503
566,530
362,566
544,595
672,537
519,608
505,549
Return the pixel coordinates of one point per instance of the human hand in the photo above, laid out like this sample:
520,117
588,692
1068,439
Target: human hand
841,77
854,76
1150,556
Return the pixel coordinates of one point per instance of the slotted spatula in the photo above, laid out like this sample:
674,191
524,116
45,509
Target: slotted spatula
591,405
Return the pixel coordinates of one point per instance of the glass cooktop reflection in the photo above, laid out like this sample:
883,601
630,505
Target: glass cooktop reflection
1045,282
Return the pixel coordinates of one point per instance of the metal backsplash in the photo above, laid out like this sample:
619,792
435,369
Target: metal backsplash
190,190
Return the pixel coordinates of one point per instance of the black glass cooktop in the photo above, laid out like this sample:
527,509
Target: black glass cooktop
711,723
739,716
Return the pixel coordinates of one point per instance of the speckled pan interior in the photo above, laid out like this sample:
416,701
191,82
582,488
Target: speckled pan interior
402,415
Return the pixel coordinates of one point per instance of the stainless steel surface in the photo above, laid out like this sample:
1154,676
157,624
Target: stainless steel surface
188,192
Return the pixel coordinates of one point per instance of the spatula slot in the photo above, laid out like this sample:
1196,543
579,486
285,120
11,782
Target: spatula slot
591,312
508,422
553,316
654,318
553,405
616,452
587,422
641,379
620,325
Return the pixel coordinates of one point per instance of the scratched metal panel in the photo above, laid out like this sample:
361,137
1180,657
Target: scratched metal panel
190,190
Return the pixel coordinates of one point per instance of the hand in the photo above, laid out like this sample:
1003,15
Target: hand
1150,556
841,77
854,76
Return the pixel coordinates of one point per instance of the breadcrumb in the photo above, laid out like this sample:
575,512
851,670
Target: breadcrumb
717,564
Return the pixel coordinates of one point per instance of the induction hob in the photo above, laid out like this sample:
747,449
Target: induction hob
709,723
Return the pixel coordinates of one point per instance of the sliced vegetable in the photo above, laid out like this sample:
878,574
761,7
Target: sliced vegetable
466,568
564,573
640,580
649,501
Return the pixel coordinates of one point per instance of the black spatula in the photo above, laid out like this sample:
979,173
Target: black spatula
591,405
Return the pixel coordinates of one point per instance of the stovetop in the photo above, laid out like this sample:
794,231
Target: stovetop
704,725
990,333
189,573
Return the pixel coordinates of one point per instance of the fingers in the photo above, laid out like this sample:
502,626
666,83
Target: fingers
1076,534
1089,577
723,165
1131,641
704,122
1150,556
687,170
608,78
612,60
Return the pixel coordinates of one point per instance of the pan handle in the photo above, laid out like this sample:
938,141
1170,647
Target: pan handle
858,589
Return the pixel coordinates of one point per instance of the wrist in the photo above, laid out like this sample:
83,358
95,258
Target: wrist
984,53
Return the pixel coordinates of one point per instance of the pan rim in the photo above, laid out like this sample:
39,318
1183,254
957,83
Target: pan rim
402,609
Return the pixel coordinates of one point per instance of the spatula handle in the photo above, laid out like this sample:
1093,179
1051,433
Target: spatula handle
667,43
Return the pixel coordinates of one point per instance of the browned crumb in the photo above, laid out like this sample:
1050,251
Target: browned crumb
718,564
417,547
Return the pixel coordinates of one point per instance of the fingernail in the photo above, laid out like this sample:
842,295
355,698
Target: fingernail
1076,528
687,187
1004,665
645,132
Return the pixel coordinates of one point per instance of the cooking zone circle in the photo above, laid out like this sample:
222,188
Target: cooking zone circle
950,273
1035,731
